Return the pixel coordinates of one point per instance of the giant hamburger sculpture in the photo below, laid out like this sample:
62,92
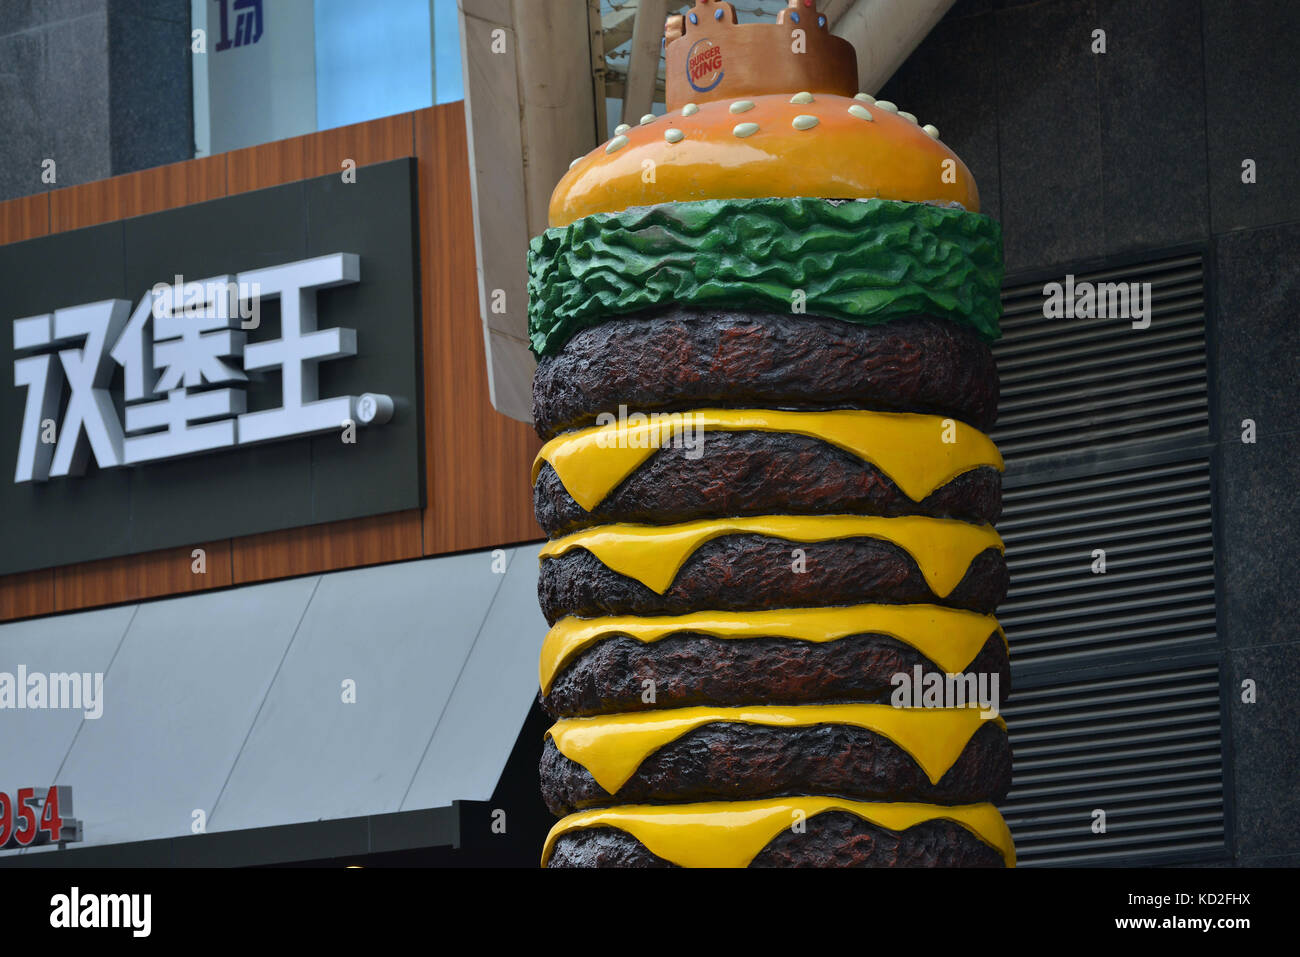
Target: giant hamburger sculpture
761,322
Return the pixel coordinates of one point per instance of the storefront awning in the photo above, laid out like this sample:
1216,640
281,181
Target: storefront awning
366,692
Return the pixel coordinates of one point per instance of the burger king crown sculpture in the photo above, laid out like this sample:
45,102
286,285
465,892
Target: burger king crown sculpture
764,381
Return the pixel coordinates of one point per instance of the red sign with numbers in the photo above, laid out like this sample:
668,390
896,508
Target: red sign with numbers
34,816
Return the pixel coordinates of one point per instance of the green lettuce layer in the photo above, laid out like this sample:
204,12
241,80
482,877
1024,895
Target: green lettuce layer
865,261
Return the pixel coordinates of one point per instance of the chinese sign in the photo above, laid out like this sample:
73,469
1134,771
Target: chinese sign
256,80
212,371
247,23
185,357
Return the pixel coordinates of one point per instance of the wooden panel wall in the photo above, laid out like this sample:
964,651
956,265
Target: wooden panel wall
476,460
135,194
466,511
30,593
24,218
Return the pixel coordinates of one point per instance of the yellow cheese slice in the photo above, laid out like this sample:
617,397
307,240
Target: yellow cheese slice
731,833
909,448
950,637
653,554
612,747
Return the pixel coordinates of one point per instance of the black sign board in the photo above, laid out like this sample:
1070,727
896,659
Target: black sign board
292,398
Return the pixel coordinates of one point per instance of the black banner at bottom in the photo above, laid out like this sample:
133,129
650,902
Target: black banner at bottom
981,911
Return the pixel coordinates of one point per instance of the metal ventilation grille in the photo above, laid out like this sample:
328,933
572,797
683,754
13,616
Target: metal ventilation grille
1145,749
1154,524
1075,384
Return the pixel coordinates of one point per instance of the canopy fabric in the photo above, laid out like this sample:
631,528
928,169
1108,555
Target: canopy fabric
234,708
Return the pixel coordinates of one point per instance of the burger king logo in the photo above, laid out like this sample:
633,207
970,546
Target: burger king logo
704,65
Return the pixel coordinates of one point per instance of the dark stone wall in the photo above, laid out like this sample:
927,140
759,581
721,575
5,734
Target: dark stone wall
1082,155
101,87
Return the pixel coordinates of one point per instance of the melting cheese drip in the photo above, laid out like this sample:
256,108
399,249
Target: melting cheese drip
909,448
612,747
950,637
731,833
653,554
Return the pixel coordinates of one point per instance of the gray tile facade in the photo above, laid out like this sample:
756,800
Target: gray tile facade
1048,121
1265,742
1140,148
1258,347
151,91
36,117
1154,190
75,75
1252,91
1257,557
101,87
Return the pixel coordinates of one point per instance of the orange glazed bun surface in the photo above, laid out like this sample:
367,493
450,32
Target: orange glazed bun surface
820,145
